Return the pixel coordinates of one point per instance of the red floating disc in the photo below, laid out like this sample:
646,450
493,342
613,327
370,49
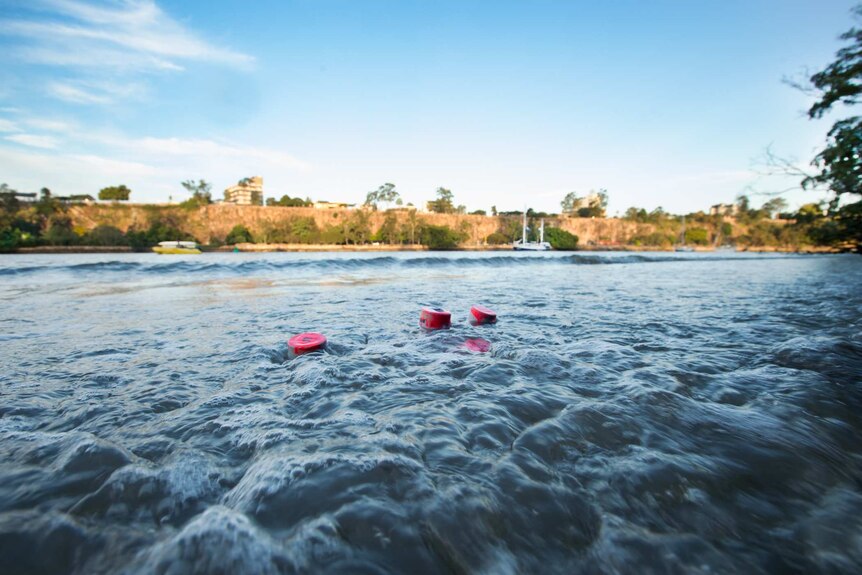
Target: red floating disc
306,342
478,344
435,318
483,314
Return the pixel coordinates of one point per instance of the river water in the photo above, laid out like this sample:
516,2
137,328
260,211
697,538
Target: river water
649,413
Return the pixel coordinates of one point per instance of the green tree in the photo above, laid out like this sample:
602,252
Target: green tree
105,236
385,194
444,203
288,202
809,213
200,192
59,231
112,193
569,202
239,234
8,201
388,232
561,239
839,164
357,228
412,224
697,236
440,238
773,207
497,239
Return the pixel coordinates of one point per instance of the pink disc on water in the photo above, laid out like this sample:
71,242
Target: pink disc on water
482,314
478,344
305,342
435,318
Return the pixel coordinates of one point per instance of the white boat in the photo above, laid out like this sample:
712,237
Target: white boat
525,246
187,248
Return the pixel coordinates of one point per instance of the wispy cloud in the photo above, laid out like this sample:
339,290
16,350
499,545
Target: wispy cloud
77,160
8,126
211,149
48,125
133,33
100,42
94,92
34,140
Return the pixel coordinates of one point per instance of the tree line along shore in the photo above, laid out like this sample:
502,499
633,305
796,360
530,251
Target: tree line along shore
50,225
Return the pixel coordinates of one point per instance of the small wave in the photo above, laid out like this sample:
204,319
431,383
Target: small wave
206,266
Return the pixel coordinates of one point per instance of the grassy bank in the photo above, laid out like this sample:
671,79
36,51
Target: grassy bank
46,225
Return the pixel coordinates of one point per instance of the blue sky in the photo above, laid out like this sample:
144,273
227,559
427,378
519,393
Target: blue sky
506,103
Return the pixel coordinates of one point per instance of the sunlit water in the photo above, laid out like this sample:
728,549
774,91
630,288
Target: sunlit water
655,413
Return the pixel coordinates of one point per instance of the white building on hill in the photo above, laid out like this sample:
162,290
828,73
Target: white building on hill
247,192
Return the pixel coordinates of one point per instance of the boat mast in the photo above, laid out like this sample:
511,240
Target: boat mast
524,230
683,230
542,232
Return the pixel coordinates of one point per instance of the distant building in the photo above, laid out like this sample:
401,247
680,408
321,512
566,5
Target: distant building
589,201
76,199
247,192
723,210
324,205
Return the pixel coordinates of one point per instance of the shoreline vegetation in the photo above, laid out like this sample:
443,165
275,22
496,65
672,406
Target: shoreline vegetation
300,248
45,222
47,226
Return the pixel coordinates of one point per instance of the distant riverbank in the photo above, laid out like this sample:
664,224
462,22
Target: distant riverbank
249,247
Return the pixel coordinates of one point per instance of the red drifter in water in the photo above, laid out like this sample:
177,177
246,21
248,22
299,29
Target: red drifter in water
481,314
306,342
435,318
478,344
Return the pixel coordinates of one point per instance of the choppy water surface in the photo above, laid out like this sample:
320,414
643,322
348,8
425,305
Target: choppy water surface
661,413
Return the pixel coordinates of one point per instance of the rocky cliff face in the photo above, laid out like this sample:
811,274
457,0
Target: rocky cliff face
213,222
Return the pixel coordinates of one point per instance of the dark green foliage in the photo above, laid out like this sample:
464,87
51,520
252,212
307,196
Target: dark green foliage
287,202
497,239
388,232
697,236
478,213
385,194
115,193
839,81
105,236
200,192
331,235
357,228
440,238
561,239
640,215
299,230
59,231
9,239
164,226
839,164
239,234
444,203
655,239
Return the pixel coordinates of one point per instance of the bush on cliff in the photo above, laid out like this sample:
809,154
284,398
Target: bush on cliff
497,239
105,236
440,238
561,239
239,234
697,236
